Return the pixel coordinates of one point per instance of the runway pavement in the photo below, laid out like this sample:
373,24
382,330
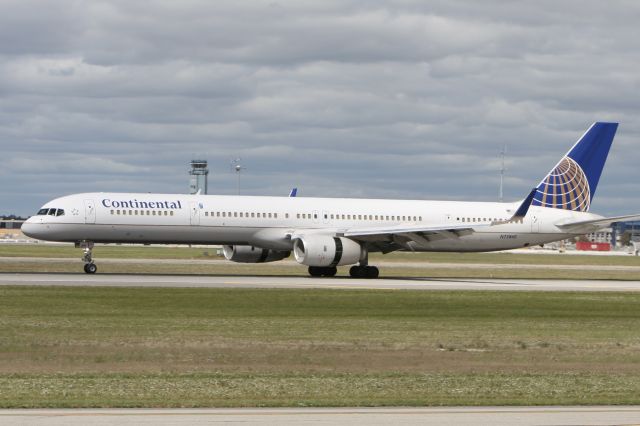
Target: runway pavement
226,281
462,416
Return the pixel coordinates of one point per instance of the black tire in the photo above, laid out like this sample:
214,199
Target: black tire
315,271
356,271
330,271
90,268
372,272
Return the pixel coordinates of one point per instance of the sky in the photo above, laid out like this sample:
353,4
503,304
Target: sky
376,99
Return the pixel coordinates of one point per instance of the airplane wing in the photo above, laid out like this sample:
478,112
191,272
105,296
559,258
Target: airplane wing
424,234
585,226
403,234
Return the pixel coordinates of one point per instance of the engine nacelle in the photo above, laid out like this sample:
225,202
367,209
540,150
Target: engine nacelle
323,250
251,254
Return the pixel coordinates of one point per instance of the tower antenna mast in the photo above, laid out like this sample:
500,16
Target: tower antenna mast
236,165
503,153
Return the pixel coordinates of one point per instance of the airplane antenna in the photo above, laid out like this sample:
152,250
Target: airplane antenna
236,166
503,153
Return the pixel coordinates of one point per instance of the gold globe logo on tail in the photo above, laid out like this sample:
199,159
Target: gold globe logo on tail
566,187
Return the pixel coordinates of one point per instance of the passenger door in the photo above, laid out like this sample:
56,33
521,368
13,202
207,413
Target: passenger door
89,211
195,213
535,224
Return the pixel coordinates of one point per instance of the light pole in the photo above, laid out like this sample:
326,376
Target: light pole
236,166
503,153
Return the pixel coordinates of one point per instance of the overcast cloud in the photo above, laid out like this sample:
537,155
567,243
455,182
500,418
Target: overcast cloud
393,99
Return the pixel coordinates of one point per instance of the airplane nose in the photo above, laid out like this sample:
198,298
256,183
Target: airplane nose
31,229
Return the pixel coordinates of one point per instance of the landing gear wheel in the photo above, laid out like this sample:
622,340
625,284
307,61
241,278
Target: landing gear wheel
364,272
372,272
330,271
90,268
315,271
356,271
323,271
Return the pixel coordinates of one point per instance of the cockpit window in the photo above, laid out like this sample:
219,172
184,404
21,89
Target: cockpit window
43,211
60,212
52,212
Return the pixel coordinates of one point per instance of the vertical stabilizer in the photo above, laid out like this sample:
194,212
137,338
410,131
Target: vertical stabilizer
572,183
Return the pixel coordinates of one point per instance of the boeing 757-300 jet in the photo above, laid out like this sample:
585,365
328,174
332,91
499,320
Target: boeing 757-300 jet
324,233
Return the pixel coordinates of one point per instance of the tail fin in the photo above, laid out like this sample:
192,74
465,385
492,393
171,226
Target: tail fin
572,183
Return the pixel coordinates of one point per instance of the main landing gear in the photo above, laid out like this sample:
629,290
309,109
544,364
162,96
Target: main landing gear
323,271
356,271
89,266
364,271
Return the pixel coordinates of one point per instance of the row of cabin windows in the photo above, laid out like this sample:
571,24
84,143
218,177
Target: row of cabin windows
142,212
244,214
361,217
314,216
485,219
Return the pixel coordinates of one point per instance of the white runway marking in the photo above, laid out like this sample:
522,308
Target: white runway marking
497,416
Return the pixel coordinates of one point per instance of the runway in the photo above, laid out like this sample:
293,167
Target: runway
227,281
462,416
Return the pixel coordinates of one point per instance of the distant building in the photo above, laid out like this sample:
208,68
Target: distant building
604,235
11,222
199,175
632,227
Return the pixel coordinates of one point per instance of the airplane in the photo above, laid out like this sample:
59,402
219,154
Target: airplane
324,233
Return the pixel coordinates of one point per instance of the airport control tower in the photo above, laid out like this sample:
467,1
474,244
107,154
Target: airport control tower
199,174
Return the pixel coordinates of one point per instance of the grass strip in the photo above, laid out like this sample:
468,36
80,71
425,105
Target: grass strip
172,347
326,390
154,252
429,270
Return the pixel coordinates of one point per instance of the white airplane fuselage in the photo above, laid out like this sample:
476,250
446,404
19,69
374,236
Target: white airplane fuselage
269,222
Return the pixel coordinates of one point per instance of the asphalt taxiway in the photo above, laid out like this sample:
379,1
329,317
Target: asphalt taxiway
496,416
233,281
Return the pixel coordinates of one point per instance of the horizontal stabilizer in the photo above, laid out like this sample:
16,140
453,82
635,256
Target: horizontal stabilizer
591,225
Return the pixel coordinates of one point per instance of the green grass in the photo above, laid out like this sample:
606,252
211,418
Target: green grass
154,252
107,251
135,347
428,270
432,265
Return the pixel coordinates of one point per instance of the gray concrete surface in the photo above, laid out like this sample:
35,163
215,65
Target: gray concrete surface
223,281
461,416
293,263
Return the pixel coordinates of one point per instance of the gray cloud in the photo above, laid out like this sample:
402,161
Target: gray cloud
405,99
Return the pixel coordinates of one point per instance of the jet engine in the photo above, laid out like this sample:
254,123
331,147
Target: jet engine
251,254
324,250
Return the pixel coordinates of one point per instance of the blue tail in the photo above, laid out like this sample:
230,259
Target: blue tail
572,183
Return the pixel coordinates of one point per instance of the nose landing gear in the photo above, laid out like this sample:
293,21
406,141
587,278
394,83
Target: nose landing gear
89,266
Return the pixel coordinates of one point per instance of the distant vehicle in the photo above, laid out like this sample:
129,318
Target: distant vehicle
324,233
